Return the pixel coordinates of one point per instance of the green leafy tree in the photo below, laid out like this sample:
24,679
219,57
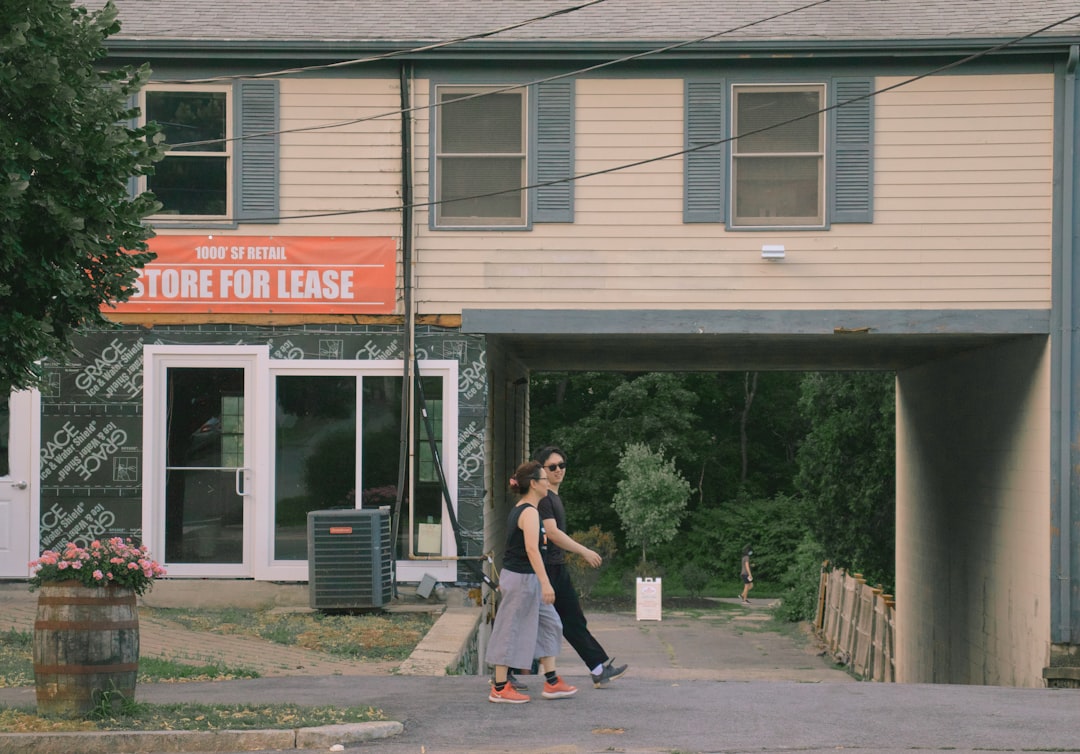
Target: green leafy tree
847,469
702,418
71,237
655,408
651,497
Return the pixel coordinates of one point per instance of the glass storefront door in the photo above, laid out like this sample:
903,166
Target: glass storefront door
200,458
204,466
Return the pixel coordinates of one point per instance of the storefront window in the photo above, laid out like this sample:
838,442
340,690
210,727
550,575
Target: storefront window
314,455
318,423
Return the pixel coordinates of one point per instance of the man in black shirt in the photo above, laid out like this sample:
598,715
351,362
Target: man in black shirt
575,626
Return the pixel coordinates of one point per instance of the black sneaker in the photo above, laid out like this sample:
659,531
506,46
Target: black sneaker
514,681
609,673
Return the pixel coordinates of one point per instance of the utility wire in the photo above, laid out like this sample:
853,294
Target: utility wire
699,147
512,87
396,53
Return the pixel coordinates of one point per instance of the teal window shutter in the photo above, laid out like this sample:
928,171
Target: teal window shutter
851,195
256,176
704,170
554,152
133,123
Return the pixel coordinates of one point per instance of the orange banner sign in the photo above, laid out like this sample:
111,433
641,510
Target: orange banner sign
267,274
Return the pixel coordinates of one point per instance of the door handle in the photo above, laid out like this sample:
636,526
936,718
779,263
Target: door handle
240,481
20,485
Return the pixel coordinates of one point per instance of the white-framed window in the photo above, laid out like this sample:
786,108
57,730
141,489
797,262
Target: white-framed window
481,145
778,156
194,180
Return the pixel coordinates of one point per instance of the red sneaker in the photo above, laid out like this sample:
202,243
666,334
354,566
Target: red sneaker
558,689
507,696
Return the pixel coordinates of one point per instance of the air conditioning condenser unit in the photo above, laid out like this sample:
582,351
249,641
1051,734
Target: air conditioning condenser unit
349,559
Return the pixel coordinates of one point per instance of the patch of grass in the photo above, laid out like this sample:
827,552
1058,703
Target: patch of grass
369,636
16,659
162,669
136,716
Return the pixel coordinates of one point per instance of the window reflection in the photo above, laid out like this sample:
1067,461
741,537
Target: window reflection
204,513
317,419
314,455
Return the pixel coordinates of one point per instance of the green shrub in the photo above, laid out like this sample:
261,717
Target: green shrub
695,578
802,581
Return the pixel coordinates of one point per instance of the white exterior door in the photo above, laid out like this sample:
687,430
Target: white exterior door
18,482
198,433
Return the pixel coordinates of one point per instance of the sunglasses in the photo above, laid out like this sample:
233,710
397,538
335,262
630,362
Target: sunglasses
555,466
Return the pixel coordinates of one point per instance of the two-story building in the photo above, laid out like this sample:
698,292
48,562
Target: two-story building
373,208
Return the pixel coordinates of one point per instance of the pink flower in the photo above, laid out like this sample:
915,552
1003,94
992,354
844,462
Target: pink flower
99,575
76,564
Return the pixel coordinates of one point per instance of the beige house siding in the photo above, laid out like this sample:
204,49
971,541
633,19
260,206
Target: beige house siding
353,167
963,179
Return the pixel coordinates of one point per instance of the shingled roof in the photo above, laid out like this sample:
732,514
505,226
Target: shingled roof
805,23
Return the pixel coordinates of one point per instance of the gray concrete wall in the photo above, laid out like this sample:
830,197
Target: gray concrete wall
973,517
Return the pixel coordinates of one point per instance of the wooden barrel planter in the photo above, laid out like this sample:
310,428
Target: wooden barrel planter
86,648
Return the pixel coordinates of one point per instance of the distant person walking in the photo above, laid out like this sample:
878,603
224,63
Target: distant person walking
526,624
747,576
574,625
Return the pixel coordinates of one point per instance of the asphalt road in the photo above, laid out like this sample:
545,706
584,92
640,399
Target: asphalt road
696,685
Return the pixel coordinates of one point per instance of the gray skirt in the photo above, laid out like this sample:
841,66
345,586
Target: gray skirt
524,627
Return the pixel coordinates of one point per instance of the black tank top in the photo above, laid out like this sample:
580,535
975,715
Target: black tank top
515,558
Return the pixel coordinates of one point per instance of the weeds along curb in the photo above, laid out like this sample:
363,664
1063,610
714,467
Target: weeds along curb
109,742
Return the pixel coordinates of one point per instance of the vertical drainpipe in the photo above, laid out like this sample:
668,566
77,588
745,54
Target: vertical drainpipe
1069,492
407,452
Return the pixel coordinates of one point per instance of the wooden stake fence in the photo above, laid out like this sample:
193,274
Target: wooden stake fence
857,623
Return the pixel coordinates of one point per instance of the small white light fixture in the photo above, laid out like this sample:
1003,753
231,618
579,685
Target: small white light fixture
772,252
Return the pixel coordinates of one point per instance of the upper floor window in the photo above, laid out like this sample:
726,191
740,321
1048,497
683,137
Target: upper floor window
778,156
785,155
194,179
222,164
481,156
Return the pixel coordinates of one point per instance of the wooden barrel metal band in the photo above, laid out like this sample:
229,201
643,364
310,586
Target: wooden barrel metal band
105,600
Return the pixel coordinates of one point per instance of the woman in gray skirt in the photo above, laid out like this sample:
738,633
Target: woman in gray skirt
526,624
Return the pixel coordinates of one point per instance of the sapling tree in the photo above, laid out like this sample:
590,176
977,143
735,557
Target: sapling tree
650,498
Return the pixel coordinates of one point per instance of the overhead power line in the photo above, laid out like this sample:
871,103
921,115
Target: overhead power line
636,163
511,87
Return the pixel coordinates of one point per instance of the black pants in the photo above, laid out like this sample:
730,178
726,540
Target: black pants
575,628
